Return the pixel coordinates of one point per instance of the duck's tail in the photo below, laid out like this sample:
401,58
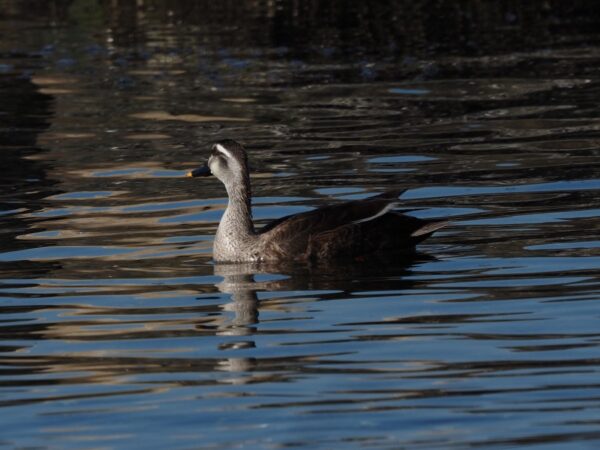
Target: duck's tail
429,228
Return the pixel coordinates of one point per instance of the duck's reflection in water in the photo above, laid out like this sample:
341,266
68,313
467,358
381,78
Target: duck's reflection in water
247,351
332,281
239,282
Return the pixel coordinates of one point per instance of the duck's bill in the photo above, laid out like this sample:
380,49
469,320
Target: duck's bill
203,171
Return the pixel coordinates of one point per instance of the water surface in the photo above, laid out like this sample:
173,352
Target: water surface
118,331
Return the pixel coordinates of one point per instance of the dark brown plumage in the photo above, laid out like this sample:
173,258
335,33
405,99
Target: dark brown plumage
348,230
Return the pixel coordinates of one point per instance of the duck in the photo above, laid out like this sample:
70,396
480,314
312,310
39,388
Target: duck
353,229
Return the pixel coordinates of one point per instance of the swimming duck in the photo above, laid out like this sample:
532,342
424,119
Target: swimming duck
354,229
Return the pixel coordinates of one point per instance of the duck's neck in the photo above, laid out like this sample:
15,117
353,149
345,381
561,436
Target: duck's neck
237,219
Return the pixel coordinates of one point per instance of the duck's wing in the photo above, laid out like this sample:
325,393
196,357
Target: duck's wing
349,229
392,232
328,217
332,216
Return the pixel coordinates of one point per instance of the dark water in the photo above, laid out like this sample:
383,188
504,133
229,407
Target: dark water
117,331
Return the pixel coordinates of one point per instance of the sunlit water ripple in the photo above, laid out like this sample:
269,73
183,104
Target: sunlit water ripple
117,329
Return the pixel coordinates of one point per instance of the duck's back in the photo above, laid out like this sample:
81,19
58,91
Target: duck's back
390,233
348,230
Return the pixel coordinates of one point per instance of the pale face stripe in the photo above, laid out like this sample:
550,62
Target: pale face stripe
223,150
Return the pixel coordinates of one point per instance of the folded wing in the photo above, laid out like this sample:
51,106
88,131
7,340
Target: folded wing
349,229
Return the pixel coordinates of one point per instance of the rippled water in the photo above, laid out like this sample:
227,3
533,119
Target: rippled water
117,330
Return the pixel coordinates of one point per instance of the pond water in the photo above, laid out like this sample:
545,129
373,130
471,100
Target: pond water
118,331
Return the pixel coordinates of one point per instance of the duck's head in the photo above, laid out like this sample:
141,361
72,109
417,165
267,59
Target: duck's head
228,162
